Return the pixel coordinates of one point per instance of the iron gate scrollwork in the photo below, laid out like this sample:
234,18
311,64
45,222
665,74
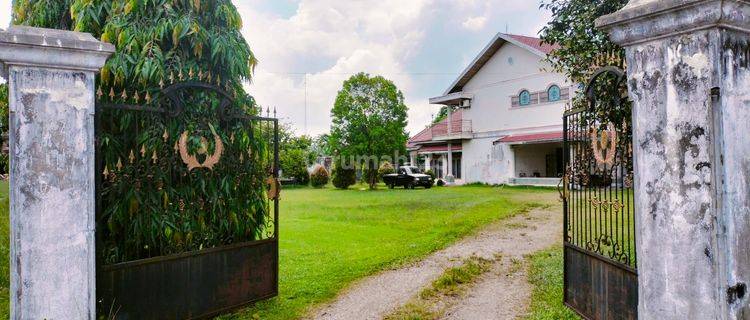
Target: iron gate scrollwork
187,203
599,226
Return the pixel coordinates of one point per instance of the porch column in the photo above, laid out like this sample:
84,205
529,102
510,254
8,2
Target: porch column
689,79
449,171
413,159
428,162
51,77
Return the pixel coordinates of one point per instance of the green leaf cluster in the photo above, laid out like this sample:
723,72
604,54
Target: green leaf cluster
582,47
293,162
158,41
151,204
319,177
369,122
343,178
386,168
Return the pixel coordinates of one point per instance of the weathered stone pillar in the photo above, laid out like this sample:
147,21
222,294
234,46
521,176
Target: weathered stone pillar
51,79
689,79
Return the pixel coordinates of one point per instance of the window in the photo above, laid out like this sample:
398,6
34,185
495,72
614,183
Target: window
524,99
553,93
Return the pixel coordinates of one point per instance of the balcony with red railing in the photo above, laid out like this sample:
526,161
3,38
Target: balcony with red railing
458,130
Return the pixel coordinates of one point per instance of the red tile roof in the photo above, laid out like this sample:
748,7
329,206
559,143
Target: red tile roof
535,43
536,137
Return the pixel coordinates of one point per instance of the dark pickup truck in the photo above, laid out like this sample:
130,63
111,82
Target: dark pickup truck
408,177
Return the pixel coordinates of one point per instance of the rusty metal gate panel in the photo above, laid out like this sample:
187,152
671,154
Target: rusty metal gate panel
600,276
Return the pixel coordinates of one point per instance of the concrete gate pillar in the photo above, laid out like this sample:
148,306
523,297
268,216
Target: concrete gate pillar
689,78
51,80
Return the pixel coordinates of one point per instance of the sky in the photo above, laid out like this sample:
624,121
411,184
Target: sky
307,48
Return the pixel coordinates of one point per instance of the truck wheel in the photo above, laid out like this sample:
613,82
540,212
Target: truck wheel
412,186
428,186
409,185
390,186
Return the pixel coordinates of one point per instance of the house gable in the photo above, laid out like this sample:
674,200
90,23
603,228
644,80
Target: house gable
508,63
529,44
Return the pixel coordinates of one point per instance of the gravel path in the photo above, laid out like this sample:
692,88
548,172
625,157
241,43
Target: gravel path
502,294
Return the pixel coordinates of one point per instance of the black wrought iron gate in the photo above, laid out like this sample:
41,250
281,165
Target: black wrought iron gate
187,202
601,280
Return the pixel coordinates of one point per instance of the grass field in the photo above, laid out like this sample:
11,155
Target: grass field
596,213
546,277
330,238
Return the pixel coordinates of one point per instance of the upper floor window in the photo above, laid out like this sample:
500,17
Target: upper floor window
524,98
553,93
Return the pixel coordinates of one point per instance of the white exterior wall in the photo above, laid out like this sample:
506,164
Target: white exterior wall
493,117
486,162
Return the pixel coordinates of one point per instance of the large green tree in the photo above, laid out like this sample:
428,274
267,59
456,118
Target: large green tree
158,41
443,113
147,211
369,121
295,154
582,47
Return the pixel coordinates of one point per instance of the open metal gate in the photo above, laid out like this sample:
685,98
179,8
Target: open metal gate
187,202
601,280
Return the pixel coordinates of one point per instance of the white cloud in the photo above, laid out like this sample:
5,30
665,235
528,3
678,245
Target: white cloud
5,11
474,23
338,39
306,54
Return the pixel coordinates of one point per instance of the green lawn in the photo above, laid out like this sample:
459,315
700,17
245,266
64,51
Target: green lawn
546,277
598,213
330,238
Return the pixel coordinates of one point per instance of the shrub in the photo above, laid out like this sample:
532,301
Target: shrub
294,165
386,168
319,177
430,173
343,178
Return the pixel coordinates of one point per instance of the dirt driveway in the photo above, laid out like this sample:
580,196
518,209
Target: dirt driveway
502,293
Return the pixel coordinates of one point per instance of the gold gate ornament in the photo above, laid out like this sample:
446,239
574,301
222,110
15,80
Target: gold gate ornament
192,160
604,140
274,188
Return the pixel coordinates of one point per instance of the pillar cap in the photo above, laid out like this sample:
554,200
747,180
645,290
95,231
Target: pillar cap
28,46
645,20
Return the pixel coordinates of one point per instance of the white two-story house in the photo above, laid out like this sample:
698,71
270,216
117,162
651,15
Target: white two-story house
507,128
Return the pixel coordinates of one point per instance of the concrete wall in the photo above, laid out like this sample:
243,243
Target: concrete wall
51,77
733,173
486,162
52,143
689,79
